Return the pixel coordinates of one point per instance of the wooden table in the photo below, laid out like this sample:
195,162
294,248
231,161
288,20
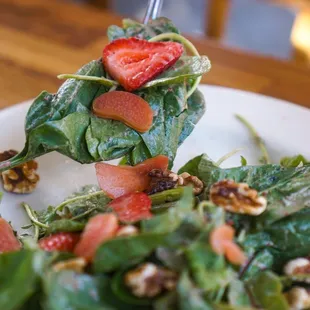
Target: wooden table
40,39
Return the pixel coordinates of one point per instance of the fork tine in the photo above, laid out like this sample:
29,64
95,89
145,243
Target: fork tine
153,10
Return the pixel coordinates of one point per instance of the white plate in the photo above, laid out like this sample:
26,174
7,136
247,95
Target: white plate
283,126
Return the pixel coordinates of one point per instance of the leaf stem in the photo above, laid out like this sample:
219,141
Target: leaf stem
61,206
257,139
101,80
32,217
77,217
228,155
167,196
188,44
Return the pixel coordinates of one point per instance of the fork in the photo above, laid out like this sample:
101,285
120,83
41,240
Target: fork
153,10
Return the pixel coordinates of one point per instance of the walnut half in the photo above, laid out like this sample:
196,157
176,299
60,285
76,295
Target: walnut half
237,198
149,280
21,179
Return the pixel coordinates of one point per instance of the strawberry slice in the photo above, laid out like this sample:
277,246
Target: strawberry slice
133,62
117,181
98,229
62,242
8,241
132,207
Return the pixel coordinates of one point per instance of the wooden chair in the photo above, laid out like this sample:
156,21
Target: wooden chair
217,16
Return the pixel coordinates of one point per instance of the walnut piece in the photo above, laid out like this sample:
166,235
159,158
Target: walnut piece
164,180
298,298
21,179
160,181
149,280
76,264
127,230
237,198
297,266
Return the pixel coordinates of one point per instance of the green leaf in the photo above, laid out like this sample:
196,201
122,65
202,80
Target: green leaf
204,265
172,219
237,294
293,161
243,161
125,251
287,189
288,238
65,225
16,270
266,289
68,290
187,67
189,295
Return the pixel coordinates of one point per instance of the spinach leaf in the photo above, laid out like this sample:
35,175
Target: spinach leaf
293,161
209,270
266,289
16,269
64,122
125,251
68,290
287,238
237,294
189,295
132,28
288,189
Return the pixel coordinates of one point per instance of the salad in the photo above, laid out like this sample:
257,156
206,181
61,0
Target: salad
147,237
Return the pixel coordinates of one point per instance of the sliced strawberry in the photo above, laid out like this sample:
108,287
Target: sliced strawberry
133,62
132,207
99,228
62,242
117,181
8,241
126,107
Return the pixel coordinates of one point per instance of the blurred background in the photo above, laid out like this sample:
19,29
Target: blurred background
278,28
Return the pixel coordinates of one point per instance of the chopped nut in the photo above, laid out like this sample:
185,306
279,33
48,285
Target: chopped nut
298,298
149,280
297,266
186,179
21,179
76,264
160,181
127,230
237,198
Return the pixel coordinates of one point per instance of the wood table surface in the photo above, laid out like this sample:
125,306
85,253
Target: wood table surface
40,39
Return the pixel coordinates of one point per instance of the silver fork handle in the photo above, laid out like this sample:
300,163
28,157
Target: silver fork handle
153,10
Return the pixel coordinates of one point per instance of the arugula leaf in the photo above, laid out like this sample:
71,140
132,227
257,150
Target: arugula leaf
243,161
293,161
65,225
266,288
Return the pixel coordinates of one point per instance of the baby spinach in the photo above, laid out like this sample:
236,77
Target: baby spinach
266,289
287,189
64,122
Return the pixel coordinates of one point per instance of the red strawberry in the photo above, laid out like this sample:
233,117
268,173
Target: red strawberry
132,207
133,62
62,242
99,228
8,241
